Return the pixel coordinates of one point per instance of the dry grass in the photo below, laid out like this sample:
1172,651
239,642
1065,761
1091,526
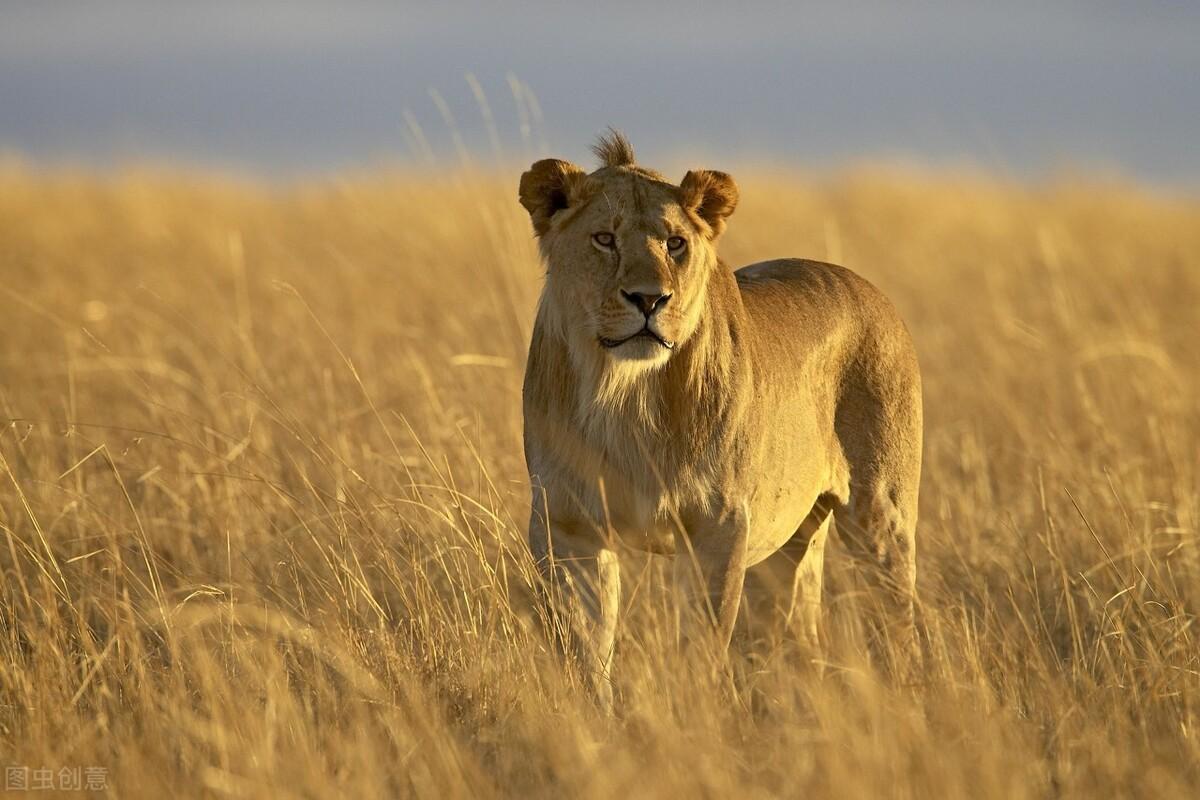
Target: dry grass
262,502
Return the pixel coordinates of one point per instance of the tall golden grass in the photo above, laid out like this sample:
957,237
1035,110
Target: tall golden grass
262,501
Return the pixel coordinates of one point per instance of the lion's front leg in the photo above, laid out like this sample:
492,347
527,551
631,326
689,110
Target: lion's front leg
712,568
582,600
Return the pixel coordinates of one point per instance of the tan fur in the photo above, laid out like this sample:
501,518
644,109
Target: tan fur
792,390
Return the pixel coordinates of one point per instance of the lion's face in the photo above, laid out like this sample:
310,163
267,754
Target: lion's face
628,253
627,268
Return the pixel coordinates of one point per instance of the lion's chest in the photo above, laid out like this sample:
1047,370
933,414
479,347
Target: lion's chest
645,520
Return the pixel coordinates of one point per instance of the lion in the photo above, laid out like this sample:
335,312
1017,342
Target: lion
677,406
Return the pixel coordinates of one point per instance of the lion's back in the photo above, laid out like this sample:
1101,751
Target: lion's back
797,307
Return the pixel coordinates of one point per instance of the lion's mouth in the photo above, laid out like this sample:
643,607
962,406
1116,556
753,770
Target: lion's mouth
644,333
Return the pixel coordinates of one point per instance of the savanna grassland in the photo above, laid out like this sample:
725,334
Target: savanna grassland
262,501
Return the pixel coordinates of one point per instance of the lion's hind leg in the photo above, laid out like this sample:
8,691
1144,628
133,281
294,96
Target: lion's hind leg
878,527
809,578
879,426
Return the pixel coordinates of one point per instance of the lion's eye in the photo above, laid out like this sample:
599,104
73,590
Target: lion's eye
604,239
676,243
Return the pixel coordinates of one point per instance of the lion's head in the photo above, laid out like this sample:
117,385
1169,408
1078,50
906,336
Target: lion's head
628,253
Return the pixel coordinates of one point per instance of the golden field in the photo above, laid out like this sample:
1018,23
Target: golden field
262,501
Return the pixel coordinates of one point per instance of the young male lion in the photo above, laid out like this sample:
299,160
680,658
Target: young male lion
676,405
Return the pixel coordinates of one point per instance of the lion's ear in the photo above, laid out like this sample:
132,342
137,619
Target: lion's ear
710,195
548,187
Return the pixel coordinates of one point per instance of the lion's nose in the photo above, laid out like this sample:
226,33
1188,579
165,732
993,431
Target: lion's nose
645,302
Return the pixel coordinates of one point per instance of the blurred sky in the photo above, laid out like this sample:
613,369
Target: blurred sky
295,88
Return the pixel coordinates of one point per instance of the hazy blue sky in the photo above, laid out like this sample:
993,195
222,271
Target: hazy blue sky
300,87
